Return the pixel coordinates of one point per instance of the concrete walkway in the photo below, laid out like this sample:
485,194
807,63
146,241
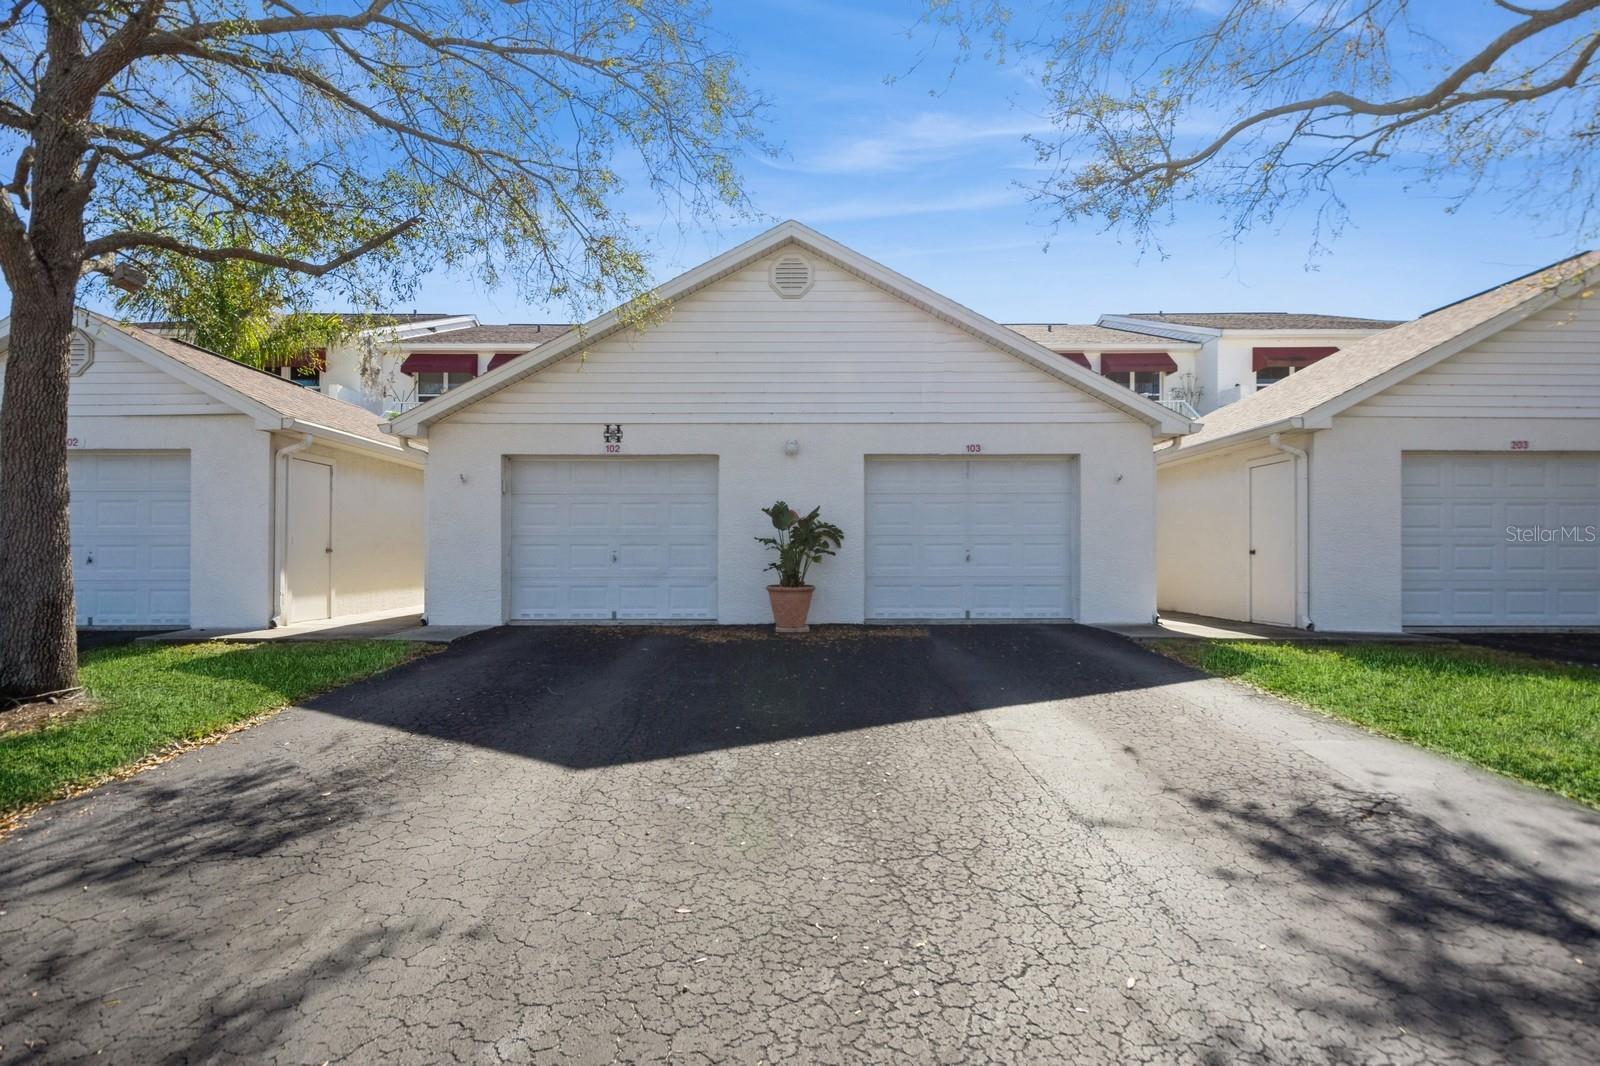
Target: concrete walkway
1200,627
382,625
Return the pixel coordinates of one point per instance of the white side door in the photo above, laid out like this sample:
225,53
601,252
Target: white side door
1272,544
308,552
129,520
603,539
989,538
1500,539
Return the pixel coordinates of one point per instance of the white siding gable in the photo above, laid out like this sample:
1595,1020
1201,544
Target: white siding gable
1546,366
737,351
117,383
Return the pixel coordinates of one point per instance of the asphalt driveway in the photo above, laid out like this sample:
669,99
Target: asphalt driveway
965,844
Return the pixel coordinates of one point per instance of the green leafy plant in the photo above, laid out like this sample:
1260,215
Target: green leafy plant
801,541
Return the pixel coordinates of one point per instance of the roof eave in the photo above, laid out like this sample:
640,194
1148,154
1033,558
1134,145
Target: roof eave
395,452
1169,330
1205,449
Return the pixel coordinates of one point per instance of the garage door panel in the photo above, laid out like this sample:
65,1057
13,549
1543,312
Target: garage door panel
1574,474
1463,565
626,539
1525,557
1578,603
129,531
951,539
587,515
939,559
1578,558
892,558
692,515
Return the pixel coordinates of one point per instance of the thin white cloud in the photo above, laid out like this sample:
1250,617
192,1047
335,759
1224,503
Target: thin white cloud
862,209
906,144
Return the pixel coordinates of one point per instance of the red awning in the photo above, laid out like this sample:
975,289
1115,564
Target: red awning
1077,357
440,363
1295,357
1123,362
502,358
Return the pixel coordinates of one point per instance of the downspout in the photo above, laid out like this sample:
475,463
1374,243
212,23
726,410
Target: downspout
1302,530
280,506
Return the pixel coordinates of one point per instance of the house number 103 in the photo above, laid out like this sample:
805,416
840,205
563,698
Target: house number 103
974,447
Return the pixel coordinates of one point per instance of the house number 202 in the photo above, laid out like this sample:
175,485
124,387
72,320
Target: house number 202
974,447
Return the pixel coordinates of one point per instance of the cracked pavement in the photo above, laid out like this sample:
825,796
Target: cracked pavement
959,844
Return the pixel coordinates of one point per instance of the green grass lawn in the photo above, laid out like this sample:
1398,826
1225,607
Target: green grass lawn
152,696
1528,718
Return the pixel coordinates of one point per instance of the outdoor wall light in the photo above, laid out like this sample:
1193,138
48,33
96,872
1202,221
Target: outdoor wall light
791,447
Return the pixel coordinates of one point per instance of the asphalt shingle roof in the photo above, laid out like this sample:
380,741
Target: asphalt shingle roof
516,333
1059,336
1330,378
1285,320
273,392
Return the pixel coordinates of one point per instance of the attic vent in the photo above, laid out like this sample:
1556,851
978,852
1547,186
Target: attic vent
82,353
791,277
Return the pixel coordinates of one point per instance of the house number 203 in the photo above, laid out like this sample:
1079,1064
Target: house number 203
974,448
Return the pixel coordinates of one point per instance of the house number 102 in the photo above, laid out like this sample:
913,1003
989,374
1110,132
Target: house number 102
974,447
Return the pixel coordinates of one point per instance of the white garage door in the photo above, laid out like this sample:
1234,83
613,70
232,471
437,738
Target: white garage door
130,537
985,538
1501,540
612,538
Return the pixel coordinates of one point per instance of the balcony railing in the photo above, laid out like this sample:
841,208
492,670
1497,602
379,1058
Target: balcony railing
1183,407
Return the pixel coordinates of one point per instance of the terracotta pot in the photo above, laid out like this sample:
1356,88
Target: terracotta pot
790,607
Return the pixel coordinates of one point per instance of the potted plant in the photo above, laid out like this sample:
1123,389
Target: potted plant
801,541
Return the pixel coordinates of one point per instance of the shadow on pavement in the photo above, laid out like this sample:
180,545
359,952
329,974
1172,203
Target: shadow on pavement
588,697
1433,905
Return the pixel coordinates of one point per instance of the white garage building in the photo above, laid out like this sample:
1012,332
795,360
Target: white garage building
617,473
1444,473
208,494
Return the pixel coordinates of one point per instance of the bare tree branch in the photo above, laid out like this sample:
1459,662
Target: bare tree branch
123,240
1258,106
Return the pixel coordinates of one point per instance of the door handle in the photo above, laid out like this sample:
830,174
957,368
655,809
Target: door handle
1252,551
613,556
969,555
327,551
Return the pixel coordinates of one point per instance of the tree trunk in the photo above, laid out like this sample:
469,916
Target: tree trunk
38,645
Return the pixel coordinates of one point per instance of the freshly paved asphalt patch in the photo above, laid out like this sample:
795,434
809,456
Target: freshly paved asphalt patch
965,844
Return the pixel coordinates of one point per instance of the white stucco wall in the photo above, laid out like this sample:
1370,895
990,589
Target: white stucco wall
466,548
1203,531
230,504
849,371
378,535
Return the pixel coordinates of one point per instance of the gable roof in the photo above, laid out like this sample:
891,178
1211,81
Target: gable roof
250,391
515,334
1370,365
1059,336
1166,423
1270,320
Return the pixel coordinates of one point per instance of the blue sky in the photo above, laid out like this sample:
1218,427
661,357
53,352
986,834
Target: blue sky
927,182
